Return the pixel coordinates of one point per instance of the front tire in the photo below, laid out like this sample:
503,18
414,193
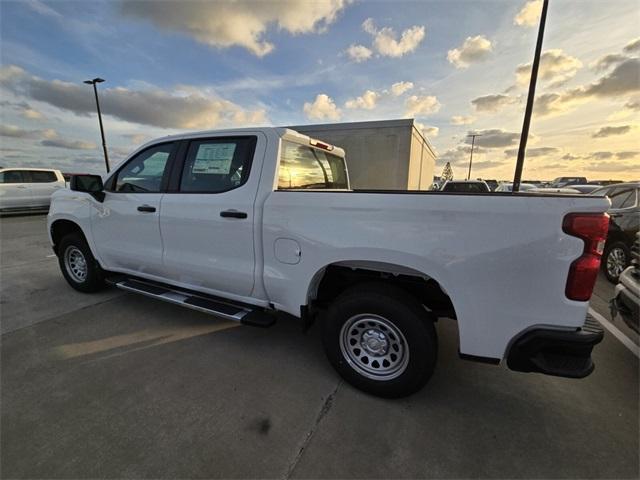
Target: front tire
615,259
79,267
380,340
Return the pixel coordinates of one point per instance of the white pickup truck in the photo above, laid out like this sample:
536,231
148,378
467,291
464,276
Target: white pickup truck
246,223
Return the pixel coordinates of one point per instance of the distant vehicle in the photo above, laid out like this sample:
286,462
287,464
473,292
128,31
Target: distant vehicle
493,184
604,183
567,181
465,186
566,191
585,188
27,189
508,187
626,301
623,225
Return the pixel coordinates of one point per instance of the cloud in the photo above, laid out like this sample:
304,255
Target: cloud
242,23
529,14
136,138
494,138
492,103
601,155
421,105
427,131
24,109
462,120
569,156
473,50
42,8
606,61
366,101
386,43
68,144
556,67
323,107
633,46
399,88
609,167
622,80
633,105
609,131
17,132
358,53
533,152
626,155
185,107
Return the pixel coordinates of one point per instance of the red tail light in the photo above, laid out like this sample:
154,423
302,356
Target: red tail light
592,228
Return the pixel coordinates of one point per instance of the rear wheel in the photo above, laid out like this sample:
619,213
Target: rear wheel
380,340
79,267
615,260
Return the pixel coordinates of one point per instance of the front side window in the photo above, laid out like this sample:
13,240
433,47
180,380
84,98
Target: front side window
217,165
303,167
144,172
622,197
42,176
11,176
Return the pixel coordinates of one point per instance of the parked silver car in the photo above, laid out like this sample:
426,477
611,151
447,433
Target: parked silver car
27,189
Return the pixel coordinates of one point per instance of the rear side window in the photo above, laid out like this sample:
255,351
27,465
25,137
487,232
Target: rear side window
217,165
43,176
144,172
622,197
303,167
11,176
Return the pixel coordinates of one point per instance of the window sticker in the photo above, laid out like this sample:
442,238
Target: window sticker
214,158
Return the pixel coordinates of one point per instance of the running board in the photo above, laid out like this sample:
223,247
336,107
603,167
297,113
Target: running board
240,313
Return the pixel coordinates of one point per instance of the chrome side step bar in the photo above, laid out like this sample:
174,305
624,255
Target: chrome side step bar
220,308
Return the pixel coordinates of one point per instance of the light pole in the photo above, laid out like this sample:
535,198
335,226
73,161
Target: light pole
473,141
517,176
104,143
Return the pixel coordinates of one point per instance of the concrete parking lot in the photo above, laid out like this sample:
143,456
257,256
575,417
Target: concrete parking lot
118,385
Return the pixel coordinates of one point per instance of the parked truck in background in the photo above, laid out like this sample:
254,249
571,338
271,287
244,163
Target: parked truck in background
245,223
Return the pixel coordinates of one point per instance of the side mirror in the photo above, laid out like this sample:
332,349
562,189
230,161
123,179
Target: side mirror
91,184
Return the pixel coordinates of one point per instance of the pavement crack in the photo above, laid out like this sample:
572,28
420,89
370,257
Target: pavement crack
326,407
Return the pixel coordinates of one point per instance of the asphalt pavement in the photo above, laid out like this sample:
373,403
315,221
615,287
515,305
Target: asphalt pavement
118,385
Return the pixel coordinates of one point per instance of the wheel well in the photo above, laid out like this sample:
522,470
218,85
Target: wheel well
62,228
426,290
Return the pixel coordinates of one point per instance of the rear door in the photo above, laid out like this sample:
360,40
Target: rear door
126,226
207,219
43,184
14,190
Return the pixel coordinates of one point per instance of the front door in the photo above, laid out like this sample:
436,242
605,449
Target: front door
14,190
127,223
207,223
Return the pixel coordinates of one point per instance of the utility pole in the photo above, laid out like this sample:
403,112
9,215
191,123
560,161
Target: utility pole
517,177
473,141
104,143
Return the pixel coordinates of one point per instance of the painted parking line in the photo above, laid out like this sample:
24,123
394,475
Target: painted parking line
626,341
50,256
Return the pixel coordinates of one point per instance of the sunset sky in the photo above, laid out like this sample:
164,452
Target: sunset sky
457,67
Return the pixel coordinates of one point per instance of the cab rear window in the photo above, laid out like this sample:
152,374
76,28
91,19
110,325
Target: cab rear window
303,167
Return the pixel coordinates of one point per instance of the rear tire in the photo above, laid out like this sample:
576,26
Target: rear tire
615,259
79,267
380,340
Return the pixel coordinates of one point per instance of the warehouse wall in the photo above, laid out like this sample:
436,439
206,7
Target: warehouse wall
381,155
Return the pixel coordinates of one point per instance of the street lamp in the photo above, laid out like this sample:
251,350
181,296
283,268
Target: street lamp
473,141
104,143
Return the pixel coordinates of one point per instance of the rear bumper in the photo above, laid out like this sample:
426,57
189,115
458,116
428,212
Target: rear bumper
556,352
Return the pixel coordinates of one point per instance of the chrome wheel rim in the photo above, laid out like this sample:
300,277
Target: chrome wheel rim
75,264
374,347
616,262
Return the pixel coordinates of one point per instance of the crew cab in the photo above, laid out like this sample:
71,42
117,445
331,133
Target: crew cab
251,222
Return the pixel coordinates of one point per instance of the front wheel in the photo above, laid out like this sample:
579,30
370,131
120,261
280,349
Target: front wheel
615,260
79,267
380,340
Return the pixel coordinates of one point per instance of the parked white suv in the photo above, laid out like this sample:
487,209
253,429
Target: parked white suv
245,223
25,189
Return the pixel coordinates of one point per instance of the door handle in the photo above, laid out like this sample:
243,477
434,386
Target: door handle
146,208
233,214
